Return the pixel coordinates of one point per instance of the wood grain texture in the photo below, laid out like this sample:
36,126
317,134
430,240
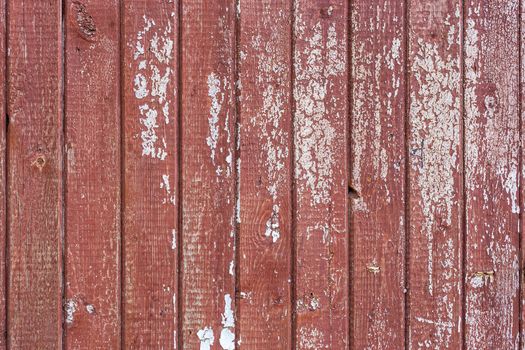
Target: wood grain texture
435,174
264,198
151,178
3,195
35,174
92,200
208,174
378,174
491,174
320,172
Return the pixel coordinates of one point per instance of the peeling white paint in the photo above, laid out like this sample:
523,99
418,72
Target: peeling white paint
151,83
272,225
227,338
70,309
314,141
206,337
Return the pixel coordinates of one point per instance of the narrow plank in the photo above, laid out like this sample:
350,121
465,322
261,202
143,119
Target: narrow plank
491,175
320,144
3,197
208,174
435,174
92,139
378,174
150,214
35,174
265,175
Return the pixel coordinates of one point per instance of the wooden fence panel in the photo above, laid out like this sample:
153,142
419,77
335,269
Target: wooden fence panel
150,179
264,163
92,175
35,185
377,180
3,196
435,174
208,173
492,139
321,176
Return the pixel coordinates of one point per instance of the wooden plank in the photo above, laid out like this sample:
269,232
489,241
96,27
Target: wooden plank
35,174
150,258
208,174
377,180
264,198
435,174
3,197
92,139
491,175
321,176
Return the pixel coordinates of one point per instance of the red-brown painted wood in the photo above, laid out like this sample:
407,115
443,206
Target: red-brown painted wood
377,179
92,170
3,197
435,174
491,174
208,173
264,197
150,215
35,174
321,176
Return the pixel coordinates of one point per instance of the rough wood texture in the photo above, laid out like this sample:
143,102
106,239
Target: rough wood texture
320,172
377,181
208,175
435,174
151,178
35,174
264,198
3,196
491,174
92,200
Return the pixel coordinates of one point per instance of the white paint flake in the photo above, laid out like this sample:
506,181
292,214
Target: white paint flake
165,184
70,309
90,309
174,239
272,225
216,93
227,338
206,337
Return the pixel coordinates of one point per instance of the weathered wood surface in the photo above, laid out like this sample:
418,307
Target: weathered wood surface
35,174
150,180
492,137
320,174
377,178
264,175
435,192
261,174
208,117
92,195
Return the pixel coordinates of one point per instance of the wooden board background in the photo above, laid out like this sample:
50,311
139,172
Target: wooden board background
276,174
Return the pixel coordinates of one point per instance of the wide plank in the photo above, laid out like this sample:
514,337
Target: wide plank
35,183
151,174
320,83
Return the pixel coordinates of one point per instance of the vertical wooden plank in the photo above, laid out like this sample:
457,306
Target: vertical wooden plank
320,140
35,174
92,138
435,169
208,174
264,198
378,174
491,173
3,197
150,174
